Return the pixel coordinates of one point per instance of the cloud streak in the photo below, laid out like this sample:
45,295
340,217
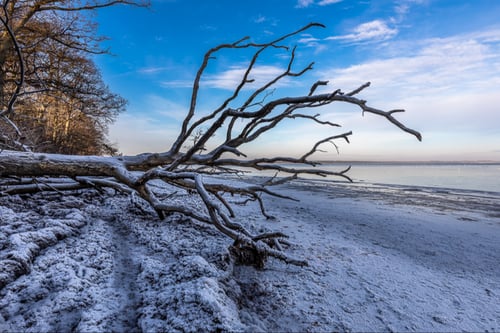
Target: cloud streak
153,69
230,78
449,87
468,62
376,30
307,3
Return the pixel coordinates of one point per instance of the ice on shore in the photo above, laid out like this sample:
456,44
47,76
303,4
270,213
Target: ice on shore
381,259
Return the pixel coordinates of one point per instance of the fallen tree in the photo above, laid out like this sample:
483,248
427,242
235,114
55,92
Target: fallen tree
185,169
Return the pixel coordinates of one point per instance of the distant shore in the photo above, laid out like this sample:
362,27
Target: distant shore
409,162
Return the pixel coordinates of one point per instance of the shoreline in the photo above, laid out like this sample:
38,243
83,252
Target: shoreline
459,176
427,196
483,202
386,261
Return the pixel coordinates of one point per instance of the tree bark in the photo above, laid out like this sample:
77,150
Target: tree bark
185,169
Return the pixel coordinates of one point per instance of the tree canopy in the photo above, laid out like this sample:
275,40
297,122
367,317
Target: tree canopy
52,96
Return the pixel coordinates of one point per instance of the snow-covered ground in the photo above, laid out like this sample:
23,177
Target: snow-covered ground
382,258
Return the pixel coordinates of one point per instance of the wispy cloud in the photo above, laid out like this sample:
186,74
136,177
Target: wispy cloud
381,29
230,78
328,2
177,84
307,3
376,30
435,65
260,19
402,9
449,86
308,39
153,70
304,3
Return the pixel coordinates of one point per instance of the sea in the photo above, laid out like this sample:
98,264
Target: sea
453,175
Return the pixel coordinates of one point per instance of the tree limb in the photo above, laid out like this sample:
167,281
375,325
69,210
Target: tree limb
187,171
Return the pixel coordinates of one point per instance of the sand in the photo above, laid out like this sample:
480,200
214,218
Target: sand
381,258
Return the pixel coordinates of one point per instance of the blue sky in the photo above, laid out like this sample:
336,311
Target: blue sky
439,60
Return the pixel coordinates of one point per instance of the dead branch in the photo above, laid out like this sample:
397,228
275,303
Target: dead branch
198,170
19,84
9,141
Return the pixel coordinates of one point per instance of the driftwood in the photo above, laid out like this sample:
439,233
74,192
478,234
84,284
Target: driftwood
185,169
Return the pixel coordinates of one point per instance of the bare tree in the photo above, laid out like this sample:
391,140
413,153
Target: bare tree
49,86
187,169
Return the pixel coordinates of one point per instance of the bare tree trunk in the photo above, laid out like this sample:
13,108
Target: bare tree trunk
186,169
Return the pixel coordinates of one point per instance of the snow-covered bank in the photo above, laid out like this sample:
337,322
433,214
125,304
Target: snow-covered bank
381,258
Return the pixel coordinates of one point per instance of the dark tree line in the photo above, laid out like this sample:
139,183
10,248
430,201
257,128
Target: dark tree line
52,96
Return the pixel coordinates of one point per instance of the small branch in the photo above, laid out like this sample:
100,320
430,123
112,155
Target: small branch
344,136
92,7
316,85
17,48
314,118
359,89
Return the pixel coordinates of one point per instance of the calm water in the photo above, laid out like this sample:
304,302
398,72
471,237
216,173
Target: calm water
484,177
467,176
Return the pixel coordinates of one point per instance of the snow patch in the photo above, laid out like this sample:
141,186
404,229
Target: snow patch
380,259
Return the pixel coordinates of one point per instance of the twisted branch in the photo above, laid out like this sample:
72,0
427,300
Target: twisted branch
198,171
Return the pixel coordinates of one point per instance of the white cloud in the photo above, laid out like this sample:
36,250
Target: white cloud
328,2
230,78
304,3
260,19
177,84
376,30
468,62
308,39
153,70
401,9
449,87
307,3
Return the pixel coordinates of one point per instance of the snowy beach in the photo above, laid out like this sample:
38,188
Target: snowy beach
381,258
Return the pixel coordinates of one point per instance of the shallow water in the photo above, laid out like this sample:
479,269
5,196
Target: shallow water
482,177
467,176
